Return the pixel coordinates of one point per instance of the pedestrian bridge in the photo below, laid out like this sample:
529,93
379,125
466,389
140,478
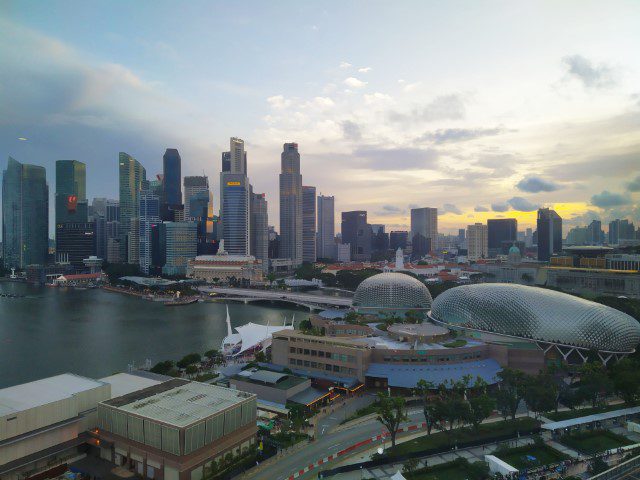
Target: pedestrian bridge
312,302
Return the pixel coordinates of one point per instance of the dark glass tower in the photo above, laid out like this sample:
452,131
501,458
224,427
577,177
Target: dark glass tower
549,234
357,232
502,232
71,191
172,191
25,215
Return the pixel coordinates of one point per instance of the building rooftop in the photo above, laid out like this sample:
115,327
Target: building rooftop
124,383
278,380
42,392
178,402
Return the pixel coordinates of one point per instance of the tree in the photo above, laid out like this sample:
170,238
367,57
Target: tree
162,368
424,389
410,465
391,413
351,317
626,379
595,385
213,353
541,394
261,357
191,370
188,360
480,407
511,392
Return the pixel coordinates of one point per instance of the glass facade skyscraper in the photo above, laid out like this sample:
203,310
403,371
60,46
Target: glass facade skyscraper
549,234
326,228
308,224
424,231
291,204
357,232
132,177
172,178
501,233
25,215
71,191
149,214
235,213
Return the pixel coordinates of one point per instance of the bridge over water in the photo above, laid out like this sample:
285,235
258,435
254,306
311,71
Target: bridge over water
312,302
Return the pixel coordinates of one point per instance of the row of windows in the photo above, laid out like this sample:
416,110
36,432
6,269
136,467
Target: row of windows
323,341
319,353
322,366
434,359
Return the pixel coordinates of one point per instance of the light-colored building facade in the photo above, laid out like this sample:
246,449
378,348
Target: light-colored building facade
308,224
477,242
224,267
260,229
181,246
291,204
326,247
148,214
132,177
235,199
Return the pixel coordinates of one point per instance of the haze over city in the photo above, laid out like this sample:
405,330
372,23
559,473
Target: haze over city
462,107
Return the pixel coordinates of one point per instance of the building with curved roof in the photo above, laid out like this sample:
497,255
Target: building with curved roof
560,324
391,293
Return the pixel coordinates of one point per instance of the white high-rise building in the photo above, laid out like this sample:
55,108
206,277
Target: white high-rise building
260,229
326,246
148,215
291,204
477,241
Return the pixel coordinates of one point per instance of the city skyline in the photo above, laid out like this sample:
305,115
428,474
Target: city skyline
475,140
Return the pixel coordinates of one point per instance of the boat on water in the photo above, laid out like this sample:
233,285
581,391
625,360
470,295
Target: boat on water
249,338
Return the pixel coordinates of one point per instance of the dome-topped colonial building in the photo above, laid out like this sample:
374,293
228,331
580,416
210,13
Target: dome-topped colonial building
391,293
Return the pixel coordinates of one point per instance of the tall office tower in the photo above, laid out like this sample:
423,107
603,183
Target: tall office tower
528,237
171,202
98,207
502,233
226,162
620,230
477,241
594,233
260,229
132,177
578,236
274,243
192,186
398,239
201,212
235,212
179,241
461,237
149,215
75,241
308,224
424,231
237,156
112,227
291,204
357,232
25,215
379,238
71,191
326,247
549,234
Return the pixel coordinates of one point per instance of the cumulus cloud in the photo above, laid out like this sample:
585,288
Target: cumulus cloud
450,208
453,135
351,130
278,101
364,69
443,107
345,65
480,208
533,184
522,204
377,97
394,158
634,185
353,82
499,207
584,70
607,199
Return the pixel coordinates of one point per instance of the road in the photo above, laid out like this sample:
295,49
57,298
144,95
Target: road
300,298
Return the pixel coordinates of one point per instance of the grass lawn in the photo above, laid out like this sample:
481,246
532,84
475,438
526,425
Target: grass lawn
518,457
448,471
445,440
595,441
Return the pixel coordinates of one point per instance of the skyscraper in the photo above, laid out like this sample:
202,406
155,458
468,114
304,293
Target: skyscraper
308,224
594,233
260,229
192,186
149,215
357,232
132,176
398,239
291,204
171,191
112,227
424,231
326,247
71,191
502,233
477,241
235,213
549,234
75,241
379,238
620,230
25,215
179,240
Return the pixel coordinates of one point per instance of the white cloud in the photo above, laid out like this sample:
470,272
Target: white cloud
409,87
345,65
364,69
377,97
353,82
278,102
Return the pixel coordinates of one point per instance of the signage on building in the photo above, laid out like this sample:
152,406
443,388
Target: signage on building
233,184
72,203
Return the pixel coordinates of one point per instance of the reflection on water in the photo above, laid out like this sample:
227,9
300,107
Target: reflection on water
97,333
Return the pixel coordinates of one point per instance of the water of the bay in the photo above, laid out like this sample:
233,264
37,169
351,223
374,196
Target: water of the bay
96,333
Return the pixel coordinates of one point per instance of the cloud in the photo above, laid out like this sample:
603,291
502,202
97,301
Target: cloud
634,185
345,65
391,208
364,69
480,208
411,86
607,199
450,208
353,82
278,101
591,76
395,158
454,135
443,107
377,97
499,207
533,184
522,204
351,130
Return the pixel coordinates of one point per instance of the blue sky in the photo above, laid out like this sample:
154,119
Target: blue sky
481,109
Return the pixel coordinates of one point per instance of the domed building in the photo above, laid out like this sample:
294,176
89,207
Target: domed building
391,293
565,327
514,255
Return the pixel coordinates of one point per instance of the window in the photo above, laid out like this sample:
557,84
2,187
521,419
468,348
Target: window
351,358
292,361
306,351
314,365
299,362
292,350
314,353
327,367
300,351
343,358
336,368
320,353
306,363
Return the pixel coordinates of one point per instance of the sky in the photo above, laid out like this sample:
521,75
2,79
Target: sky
481,109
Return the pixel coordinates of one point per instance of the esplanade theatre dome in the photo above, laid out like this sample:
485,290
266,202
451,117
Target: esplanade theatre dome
541,315
390,292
